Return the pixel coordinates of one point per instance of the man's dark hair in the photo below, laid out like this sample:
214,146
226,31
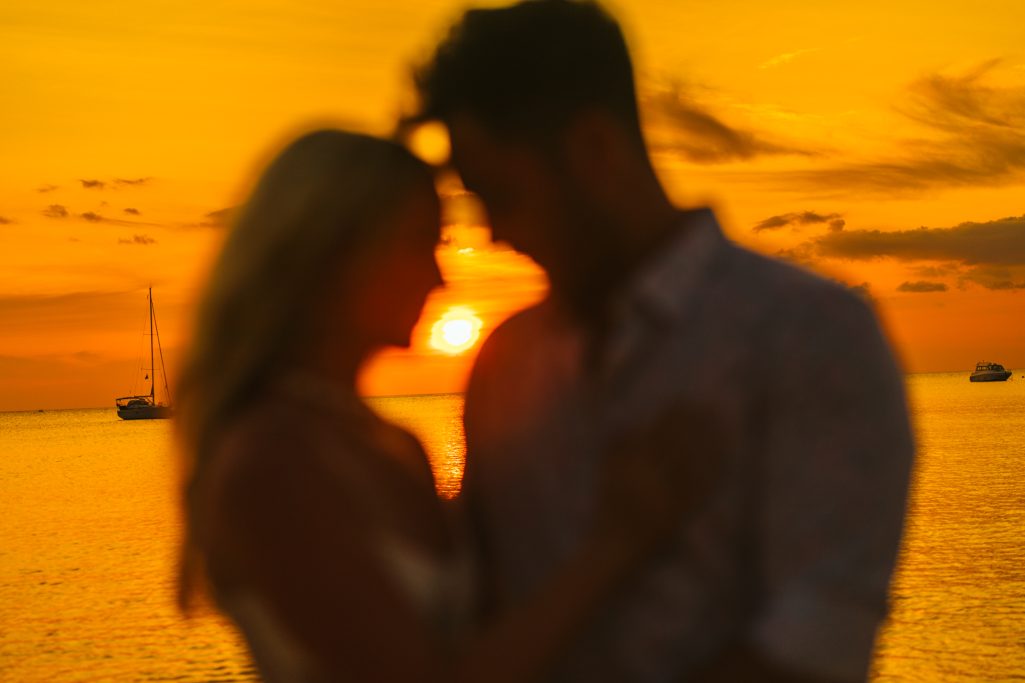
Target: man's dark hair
525,70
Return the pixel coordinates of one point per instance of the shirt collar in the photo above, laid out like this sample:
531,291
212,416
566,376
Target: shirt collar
661,289
656,297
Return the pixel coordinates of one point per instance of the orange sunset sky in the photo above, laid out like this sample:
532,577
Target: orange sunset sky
881,143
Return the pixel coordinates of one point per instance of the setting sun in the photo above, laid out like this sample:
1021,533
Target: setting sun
456,331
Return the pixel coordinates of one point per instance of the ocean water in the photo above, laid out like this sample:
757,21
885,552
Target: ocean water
89,526
958,599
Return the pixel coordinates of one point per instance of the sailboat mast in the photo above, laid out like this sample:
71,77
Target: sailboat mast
152,365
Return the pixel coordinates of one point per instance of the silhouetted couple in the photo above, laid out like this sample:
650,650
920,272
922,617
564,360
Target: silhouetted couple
688,463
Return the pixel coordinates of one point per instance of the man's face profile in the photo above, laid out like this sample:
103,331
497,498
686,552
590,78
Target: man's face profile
518,186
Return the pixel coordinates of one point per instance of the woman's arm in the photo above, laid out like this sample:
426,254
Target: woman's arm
276,526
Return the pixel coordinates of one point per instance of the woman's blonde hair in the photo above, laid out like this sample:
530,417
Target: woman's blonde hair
319,202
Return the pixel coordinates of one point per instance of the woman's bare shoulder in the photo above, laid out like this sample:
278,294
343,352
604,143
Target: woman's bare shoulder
265,488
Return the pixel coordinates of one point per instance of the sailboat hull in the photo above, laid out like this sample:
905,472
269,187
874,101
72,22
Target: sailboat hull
144,412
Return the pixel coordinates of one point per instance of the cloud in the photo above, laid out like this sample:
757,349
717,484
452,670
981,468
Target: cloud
999,242
132,211
118,182
922,286
996,277
786,58
47,188
683,126
29,314
59,211
862,290
990,254
976,137
936,271
802,254
76,316
950,102
5,221
144,240
833,220
220,218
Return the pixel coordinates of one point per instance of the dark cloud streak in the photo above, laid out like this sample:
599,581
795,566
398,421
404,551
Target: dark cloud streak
863,290
690,129
835,221
922,286
1000,242
220,218
981,141
990,254
143,240
996,277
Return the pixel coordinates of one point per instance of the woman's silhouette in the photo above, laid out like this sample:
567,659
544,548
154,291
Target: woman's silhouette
312,522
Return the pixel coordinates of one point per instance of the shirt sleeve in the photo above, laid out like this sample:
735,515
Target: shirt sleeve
832,488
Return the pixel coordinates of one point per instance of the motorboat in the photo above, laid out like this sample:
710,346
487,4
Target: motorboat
989,372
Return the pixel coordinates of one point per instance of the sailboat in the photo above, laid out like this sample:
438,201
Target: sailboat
146,407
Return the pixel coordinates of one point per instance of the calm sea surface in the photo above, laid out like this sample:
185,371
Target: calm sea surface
89,526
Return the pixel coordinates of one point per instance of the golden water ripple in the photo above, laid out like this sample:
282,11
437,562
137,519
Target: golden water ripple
89,526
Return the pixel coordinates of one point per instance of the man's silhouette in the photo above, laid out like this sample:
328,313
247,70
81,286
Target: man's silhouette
784,573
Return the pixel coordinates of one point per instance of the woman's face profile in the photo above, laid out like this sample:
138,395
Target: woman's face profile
381,294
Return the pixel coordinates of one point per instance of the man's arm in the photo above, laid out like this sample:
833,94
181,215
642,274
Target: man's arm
832,482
